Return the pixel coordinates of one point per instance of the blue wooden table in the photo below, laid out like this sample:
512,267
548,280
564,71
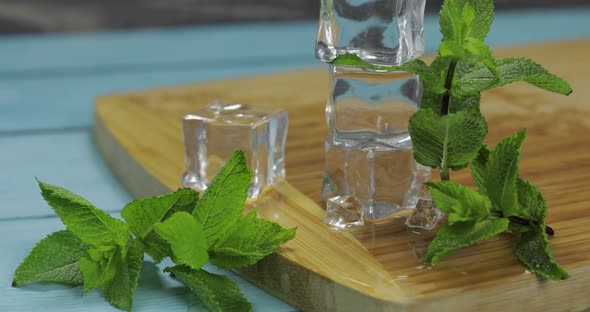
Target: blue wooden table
47,86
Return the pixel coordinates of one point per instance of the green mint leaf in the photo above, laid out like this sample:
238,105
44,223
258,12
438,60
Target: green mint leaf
223,201
431,101
478,169
55,259
459,202
82,219
483,16
249,240
351,59
91,271
531,201
156,247
502,173
460,19
217,292
142,214
432,82
482,52
429,78
465,104
534,252
464,25
451,141
186,238
470,51
518,228
451,23
468,18
510,70
451,49
463,234
99,266
120,289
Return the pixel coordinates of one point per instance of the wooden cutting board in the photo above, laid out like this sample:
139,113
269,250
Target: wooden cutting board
378,267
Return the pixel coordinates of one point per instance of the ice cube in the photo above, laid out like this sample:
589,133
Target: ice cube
381,32
344,211
214,132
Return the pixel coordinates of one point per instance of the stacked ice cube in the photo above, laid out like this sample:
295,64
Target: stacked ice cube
370,172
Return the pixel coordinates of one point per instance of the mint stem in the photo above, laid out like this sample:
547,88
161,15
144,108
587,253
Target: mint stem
444,111
444,175
446,98
522,221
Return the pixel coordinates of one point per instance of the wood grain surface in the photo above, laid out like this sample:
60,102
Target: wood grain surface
378,267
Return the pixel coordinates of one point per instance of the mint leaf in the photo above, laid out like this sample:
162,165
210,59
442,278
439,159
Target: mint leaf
459,202
186,238
483,16
217,292
248,241
120,289
451,21
460,19
54,259
501,174
531,202
482,52
98,267
142,214
510,70
478,169
431,101
223,201
464,25
468,104
351,59
432,82
156,247
451,49
82,219
533,251
463,234
471,50
451,141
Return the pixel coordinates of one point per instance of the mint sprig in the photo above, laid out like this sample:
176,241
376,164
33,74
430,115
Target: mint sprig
448,132
99,251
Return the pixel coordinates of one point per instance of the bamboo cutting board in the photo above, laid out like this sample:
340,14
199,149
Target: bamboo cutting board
378,267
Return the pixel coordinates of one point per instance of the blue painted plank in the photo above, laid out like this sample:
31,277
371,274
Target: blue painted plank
225,45
70,160
169,46
156,291
58,102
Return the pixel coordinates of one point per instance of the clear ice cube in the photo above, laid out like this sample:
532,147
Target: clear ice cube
382,32
426,215
384,180
369,108
214,132
344,211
